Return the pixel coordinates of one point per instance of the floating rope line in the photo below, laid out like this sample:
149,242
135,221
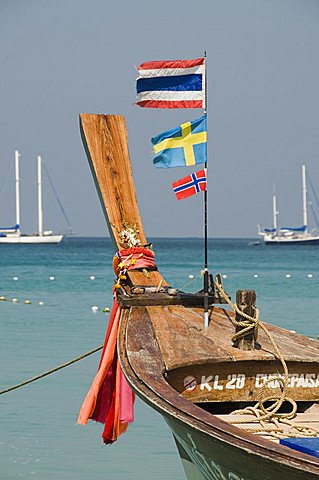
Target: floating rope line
259,412
16,300
48,372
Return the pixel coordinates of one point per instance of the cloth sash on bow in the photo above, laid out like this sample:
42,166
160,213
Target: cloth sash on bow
110,400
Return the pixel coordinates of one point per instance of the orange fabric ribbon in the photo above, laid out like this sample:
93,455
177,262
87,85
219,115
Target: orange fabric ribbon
109,399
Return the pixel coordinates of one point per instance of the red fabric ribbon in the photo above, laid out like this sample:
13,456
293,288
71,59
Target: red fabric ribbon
109,399
136,257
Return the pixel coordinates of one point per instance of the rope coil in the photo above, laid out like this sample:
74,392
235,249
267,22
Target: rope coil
260,413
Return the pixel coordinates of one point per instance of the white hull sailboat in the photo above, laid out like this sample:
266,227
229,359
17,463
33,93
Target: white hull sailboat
288,235
13,234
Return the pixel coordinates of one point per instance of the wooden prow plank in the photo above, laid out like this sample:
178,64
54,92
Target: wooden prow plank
105,141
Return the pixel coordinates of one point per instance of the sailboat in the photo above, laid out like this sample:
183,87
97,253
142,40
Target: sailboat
204,380
289,235
13,234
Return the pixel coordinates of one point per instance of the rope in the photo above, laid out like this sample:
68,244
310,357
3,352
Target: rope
57,198
260,412
191,281
48,372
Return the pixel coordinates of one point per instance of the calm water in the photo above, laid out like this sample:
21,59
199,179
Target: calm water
39,438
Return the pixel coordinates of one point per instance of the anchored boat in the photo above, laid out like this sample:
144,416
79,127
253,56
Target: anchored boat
234,394
288,235
13,234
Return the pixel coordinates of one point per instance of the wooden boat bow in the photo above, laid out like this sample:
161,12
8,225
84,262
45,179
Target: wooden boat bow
175,364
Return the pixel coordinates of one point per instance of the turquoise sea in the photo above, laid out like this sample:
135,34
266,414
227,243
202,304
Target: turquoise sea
39,438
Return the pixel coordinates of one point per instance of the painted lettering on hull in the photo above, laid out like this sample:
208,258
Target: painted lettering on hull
213,382
237,381
295,380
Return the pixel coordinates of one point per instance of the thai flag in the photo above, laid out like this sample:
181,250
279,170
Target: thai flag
188,186
171,84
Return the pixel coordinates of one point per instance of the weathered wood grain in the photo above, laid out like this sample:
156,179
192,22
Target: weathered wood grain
176,325
105,141
246,301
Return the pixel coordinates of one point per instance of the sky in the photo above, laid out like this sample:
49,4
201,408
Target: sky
60,58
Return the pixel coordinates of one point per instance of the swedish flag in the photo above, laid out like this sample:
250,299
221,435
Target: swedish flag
183,146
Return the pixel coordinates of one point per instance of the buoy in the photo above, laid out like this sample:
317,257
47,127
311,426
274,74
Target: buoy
15,300
224,276
92,277
190,276
94,308
106,309
288,275
2,299
52,278
27,302
40,303
256,276
309,275
15,278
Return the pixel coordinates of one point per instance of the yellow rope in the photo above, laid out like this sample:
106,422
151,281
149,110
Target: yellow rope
48,372
260,412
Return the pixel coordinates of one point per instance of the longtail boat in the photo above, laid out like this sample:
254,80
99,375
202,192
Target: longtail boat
241,397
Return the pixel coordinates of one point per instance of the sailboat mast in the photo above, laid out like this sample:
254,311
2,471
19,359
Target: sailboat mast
17,182
304,198
274,210
40,213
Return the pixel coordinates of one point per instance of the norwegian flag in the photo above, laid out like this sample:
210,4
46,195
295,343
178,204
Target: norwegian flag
188,186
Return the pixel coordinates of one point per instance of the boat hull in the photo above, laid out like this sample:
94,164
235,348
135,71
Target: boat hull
208,453
205,457
295,241
210,448
32,239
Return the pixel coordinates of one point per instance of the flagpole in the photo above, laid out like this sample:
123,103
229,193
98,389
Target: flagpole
206,317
